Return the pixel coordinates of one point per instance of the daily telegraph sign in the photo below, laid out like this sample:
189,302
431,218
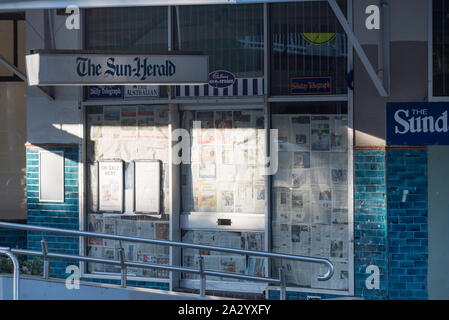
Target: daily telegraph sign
76,68
418,124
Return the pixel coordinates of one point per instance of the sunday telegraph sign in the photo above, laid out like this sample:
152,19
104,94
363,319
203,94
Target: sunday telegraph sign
418,124
77,68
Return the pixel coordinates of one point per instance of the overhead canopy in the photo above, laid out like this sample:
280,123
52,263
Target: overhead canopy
48,4
60,4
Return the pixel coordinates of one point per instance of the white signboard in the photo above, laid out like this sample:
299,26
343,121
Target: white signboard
137,91
147,186
110,186
51,176
78,68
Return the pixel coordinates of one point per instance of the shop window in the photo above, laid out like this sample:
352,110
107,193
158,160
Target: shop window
308,45
231,35
220,261
310,191
225,173
440,48
121,142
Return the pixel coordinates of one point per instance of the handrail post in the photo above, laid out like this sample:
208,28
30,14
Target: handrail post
16,274
283,291
44,247
202,277
122,266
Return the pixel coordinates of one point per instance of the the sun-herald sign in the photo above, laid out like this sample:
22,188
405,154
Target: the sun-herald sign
78,68
417,124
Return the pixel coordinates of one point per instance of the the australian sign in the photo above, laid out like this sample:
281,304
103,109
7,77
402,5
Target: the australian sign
78,68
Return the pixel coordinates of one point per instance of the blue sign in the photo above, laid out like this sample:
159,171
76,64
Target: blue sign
221,79
105,92
417,124
311,85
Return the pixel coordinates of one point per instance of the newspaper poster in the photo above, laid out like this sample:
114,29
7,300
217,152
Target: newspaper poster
234,264
300,236
339,177
282,241
207,197
207,170
244,174
298,273
300,178
300,206
111,254
244,201
162,231
226,197
320,160
146,229
339,242
320,133
253,240
207,153
127,227
226,173
225,154
256,266
300,132
301,240
320,176
283,200
259,195
339,160
301,159
321,241
95,225
339,136
111,186
321,206
340,206
128,123
95,252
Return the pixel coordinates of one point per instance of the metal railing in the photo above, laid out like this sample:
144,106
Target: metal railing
202,272
16,273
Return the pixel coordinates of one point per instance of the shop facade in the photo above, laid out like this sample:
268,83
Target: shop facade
285,91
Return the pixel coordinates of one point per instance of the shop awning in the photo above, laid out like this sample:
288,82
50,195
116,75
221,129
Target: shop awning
382,86
60,4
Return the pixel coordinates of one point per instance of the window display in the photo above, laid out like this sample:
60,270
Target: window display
310,193
220,261
122,142
227,162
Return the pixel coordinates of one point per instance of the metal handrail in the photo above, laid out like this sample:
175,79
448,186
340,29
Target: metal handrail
202,272
15,283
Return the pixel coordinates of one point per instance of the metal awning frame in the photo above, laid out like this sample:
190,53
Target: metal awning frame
382,86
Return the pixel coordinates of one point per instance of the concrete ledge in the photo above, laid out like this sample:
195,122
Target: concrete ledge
35,288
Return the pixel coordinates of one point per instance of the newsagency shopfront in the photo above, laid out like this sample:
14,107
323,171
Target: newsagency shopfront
224,125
